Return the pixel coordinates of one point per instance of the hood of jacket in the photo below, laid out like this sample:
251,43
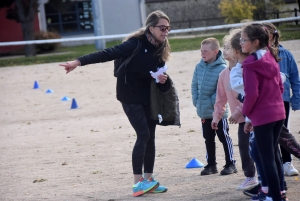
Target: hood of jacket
265,66
219,61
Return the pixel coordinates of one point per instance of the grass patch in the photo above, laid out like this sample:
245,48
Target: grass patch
64,54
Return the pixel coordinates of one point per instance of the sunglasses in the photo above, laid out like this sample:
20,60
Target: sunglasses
163,28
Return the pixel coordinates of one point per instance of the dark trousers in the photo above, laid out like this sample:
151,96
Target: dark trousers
256,158
266,138
288,141
285,154
247,162
209,135
143,153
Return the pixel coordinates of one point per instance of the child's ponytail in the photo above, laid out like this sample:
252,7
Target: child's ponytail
273,30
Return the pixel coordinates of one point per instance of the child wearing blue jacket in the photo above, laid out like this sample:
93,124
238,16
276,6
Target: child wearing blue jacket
204,87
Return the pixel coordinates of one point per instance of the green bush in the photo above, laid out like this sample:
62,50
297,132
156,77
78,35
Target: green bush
47,47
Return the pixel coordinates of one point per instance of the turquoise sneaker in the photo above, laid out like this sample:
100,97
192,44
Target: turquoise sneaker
159,189
143,186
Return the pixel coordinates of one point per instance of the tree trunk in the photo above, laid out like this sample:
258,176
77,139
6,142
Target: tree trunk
26,15
28,34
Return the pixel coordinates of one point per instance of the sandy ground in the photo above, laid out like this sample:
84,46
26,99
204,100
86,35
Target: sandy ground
50,152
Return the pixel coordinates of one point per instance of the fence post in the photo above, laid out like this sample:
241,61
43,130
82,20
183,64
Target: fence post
296,14
277,15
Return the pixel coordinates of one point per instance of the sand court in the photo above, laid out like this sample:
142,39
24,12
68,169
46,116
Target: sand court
51,152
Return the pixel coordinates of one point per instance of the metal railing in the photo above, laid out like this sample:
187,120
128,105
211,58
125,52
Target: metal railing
189,30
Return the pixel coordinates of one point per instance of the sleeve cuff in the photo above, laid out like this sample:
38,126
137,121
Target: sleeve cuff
247,119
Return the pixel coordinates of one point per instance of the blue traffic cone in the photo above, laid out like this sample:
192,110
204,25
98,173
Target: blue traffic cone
36,85
49,91
65,98
194,163
74,104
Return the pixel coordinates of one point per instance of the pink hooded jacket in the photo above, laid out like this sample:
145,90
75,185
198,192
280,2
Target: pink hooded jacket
226,94
263,90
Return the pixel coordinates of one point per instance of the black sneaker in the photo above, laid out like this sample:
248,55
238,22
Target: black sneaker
283,196
253,191
209,169
228,169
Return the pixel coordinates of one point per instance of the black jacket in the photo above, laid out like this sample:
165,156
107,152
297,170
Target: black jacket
137,71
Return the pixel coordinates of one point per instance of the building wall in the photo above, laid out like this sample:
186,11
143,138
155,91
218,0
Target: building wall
121,16
118,17
189,13
11,31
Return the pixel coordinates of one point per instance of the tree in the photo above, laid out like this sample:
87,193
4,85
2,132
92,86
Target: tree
266,6
24,12
236,10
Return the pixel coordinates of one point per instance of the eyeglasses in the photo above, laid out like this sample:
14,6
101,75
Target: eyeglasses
243,40
163,28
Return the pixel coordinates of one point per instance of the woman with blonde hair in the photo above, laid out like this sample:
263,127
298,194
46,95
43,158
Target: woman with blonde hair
133,90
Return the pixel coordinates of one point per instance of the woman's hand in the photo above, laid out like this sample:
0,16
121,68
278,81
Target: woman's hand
162,78
70,65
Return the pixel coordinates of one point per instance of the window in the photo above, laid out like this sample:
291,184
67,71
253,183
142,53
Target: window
77,19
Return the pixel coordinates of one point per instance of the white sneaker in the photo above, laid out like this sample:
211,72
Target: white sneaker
289,169
249,183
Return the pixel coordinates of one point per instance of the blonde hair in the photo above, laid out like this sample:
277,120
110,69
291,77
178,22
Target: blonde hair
232,32
152,20
213,42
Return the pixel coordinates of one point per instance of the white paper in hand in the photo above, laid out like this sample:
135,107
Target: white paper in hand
160,71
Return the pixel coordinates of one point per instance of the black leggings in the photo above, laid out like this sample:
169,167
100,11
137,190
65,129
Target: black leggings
267,137
143,153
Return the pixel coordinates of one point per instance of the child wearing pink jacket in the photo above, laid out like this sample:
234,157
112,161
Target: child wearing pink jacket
226,94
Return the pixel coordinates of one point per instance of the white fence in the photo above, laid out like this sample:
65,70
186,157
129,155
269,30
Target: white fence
119,36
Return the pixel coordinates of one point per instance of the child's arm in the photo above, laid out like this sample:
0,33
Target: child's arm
220,103
237,114
295,84
251,90
194,87
236,79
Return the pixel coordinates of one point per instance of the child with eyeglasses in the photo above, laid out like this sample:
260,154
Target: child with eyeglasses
204,89
288,66
226,94
262,83
286,139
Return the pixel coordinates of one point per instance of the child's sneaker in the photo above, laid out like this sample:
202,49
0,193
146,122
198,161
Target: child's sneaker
284,198
249,182
209,169
289,169
261,196
143,186
159,189
228,169
253,191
